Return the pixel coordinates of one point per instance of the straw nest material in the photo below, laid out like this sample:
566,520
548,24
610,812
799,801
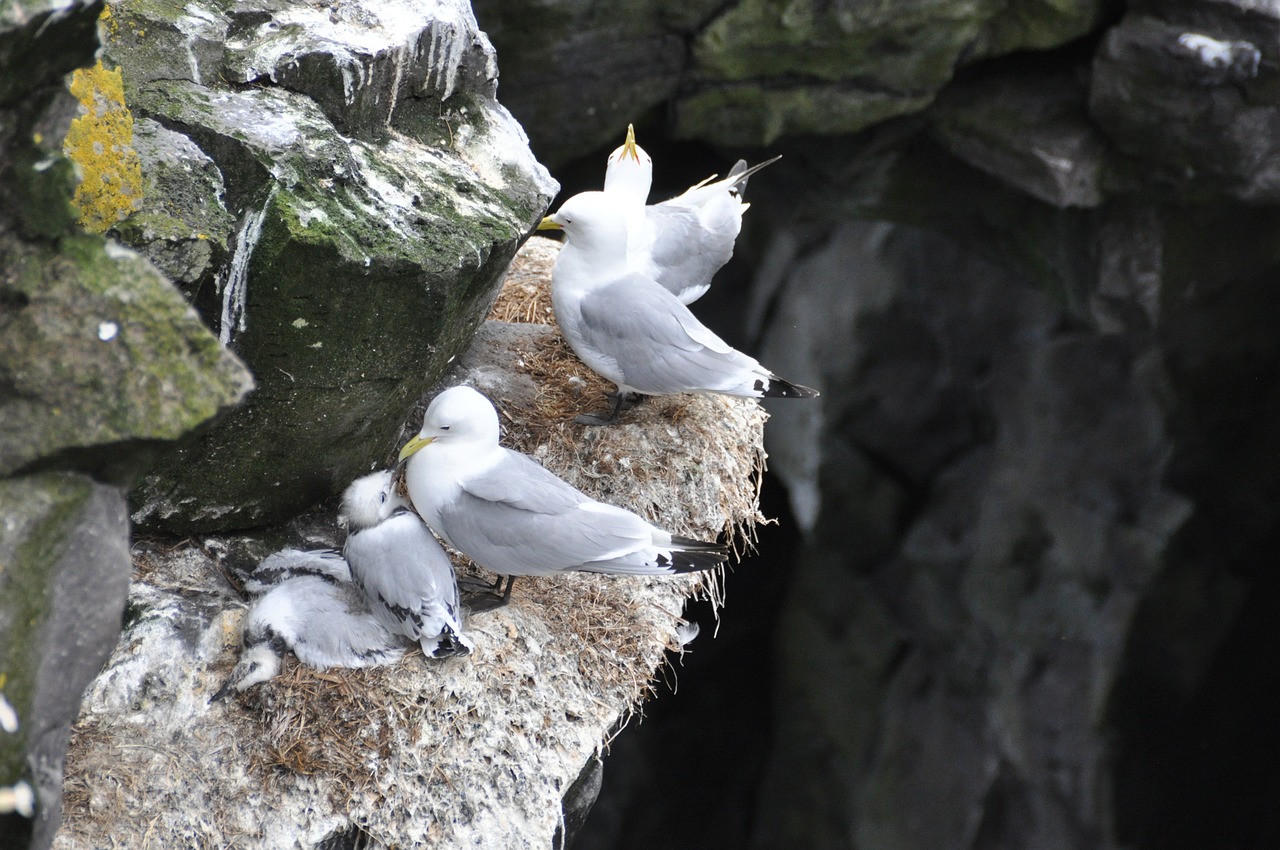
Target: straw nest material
465,752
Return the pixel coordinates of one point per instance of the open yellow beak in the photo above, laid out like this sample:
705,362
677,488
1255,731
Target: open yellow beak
545,224
629,146
418,442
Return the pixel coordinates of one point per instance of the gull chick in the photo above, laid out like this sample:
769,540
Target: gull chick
682,242
406,577
324,621
631,330
509,515
291,563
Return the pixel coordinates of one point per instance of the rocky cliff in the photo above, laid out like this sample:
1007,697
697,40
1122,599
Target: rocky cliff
1027,250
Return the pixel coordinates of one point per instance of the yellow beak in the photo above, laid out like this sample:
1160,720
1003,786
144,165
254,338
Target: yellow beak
629,146
548,224
418,442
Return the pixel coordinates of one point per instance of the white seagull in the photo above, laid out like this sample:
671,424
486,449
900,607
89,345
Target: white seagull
406,577
324,620
509,515
681,243
627,328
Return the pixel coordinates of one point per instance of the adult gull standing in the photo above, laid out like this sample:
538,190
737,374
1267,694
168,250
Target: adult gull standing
502,510
682,242
629,329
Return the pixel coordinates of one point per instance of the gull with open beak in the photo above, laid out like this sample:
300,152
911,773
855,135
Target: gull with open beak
629,329
680,243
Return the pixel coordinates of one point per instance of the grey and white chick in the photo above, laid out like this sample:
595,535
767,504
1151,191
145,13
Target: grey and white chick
324,620
281,566
407,578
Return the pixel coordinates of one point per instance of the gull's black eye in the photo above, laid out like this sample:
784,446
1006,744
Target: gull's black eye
382,497
445,427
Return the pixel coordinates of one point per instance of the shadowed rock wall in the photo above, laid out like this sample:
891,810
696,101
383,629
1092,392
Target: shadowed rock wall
1027,252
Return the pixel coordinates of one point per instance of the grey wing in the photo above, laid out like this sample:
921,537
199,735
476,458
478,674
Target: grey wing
520,519
406,576
686,253
334,627
659,346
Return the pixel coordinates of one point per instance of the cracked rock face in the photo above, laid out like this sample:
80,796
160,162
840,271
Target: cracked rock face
64,573
338,191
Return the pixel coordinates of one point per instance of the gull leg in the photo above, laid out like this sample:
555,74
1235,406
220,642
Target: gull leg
621,402
491,597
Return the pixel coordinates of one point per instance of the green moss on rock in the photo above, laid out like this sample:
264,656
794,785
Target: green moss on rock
99,350
346,319
39,513
756,115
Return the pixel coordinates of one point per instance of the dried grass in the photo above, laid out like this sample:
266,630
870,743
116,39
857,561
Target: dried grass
473,751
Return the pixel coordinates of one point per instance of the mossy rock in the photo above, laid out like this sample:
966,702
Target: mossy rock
375,197
101,358
763,69
64,575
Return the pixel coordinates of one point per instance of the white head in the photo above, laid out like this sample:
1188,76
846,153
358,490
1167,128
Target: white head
629,173
459,415
257,663
370,499
594,221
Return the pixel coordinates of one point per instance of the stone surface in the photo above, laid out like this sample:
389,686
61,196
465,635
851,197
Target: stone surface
1190,94
64,574
377,190
762,70
959,619
576,73
1032,131
183,227
470,752
100,359
747,73
39,43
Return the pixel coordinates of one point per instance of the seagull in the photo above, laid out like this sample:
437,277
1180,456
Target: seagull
629,329
406,577
504,511
681,243
323,619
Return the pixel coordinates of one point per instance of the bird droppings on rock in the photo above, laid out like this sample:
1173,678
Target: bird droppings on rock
461,752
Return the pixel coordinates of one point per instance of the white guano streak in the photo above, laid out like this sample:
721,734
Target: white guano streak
442,64
235,292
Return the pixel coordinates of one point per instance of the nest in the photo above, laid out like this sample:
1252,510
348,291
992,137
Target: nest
462,752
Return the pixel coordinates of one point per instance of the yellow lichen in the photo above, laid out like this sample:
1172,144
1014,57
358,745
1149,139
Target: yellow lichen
100,141
108,26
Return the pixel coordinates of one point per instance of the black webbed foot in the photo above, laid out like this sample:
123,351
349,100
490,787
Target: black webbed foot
482,596
622,402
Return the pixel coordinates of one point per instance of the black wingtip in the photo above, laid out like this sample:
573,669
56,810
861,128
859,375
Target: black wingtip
742,173
778,388
696,562
450,645
692,556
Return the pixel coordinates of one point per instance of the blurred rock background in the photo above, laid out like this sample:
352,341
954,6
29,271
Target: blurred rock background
1019,593
1029,251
